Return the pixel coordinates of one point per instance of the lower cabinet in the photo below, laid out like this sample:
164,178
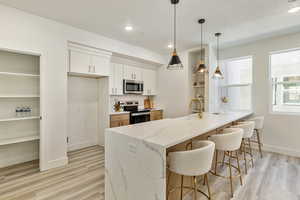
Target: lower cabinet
117,120
156,115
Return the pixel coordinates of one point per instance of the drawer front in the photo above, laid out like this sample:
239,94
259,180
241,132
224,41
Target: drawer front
156,115
119,117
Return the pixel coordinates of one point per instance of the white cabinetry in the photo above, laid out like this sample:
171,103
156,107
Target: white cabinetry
149,78
116,79
84,61
132,73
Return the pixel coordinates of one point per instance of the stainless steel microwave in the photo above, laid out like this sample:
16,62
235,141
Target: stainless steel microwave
133,87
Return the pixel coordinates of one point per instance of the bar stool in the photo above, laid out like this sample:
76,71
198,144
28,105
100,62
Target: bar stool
259,125
229,141
192,163
248,127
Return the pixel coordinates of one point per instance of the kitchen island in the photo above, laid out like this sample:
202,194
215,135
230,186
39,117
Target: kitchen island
135,155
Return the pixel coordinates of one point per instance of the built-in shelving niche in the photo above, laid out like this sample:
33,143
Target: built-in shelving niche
19,87
199,81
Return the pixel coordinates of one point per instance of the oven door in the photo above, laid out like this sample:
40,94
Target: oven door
139,117
133,87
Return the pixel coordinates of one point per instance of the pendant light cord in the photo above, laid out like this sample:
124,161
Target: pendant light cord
201,52
218,51
175,27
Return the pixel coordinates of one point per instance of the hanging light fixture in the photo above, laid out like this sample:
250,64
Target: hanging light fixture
218,74
201,65
175,62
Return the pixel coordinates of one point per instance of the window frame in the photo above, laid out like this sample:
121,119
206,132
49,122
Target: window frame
239,85
270,101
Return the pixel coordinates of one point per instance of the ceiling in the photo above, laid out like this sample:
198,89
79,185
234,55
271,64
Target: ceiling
239,20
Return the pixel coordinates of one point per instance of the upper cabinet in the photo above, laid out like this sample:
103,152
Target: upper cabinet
88,61
132,73
149,78
116,79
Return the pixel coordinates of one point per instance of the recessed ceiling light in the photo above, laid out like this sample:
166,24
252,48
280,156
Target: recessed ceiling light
294,10
170,46
128,28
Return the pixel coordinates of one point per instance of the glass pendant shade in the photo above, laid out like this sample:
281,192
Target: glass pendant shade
218,74
175,62
201,67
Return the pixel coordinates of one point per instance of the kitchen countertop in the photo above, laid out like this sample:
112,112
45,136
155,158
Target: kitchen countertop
169,132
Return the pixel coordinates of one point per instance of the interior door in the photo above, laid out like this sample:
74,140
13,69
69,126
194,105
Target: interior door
82,112
79,62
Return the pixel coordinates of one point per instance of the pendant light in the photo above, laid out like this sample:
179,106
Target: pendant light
218,74
175,62
201,65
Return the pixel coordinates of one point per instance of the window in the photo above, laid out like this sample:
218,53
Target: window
237,84
285,76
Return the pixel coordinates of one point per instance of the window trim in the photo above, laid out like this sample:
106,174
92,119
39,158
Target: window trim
240,85
269,71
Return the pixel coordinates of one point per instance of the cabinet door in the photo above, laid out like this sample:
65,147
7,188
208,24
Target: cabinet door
80,62
118,79
111,79
149,78
152,78
101,65
147,81
128,72
137,73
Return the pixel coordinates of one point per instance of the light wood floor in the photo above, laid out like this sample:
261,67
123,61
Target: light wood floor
275,177
82,179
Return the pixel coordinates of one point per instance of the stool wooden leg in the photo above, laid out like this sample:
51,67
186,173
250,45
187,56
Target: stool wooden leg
168,183
195,187
223,162
250,149
208,188
238,164
216,163
230,173
181,188
245,159
259,143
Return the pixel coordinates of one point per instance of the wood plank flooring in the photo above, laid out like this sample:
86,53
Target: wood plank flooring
82,179
275,177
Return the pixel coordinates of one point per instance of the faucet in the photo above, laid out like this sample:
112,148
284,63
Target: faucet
199,109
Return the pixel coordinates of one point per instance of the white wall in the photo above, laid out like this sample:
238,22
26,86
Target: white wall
26,32
281,133
174,89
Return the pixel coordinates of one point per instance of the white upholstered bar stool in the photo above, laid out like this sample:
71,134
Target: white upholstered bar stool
192,163
228,141
259,125
248,127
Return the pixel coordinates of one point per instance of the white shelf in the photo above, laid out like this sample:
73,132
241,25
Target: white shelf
19,96
236,85
19,140
19,118
19,74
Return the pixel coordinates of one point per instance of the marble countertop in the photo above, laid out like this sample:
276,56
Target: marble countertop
169,132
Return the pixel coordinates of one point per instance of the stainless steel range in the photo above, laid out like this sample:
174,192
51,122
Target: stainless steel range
136,115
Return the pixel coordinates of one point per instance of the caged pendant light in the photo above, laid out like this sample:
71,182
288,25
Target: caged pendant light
201,66
218,74
175,62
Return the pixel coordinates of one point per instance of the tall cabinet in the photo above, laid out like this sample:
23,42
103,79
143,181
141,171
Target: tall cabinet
19,107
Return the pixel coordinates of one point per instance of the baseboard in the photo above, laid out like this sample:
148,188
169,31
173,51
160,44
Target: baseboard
13,160
54,163
73,147
280,150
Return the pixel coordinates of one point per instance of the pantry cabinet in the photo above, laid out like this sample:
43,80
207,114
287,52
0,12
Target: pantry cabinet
132,73
89,62
149,78
116,79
